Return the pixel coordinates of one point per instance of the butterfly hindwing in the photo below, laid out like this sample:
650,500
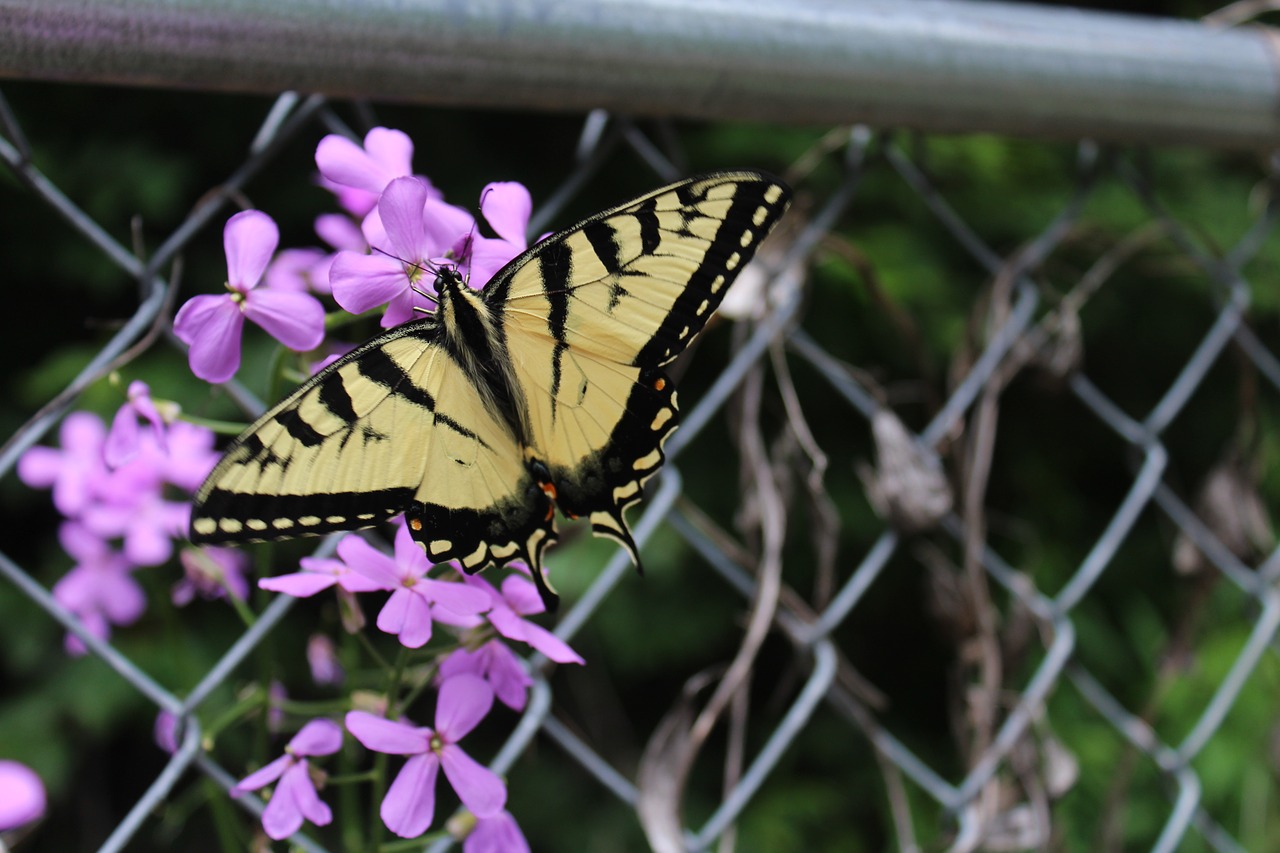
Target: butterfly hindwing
591,314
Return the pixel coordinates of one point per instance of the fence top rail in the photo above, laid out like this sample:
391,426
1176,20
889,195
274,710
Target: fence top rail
935,65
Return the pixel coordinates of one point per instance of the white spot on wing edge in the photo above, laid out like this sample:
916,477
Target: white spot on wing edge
649,460
772,194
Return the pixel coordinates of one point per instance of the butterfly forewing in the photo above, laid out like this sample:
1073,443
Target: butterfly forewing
393,427
590,316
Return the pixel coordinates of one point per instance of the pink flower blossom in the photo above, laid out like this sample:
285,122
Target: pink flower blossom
295,798
497,834
211,325
122,441
409,806
147,522
99,589
75,470
519,598
495,663
410,232
415,598
358,175
506,207
22,796
320,573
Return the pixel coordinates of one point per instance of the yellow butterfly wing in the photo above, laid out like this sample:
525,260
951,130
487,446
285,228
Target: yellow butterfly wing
394,426
592,314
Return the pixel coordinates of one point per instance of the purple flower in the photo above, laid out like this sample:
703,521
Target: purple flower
135,511
495,663
357,175
506,207
212,325
122,441
320,573
497,834
211,572
411,233
322,657
415,598
519,598
22,797
409,806
190,455
295,798
74,471
99,589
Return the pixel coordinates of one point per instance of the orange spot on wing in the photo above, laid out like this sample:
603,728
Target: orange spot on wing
415,524
659,384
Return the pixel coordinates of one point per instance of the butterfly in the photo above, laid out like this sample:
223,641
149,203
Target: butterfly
542,391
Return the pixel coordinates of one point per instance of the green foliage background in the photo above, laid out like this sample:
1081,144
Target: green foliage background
1058,477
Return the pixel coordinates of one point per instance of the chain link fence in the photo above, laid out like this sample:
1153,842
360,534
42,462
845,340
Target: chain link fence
1018,670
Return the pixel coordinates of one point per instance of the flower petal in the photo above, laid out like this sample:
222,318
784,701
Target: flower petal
249,239
297,782
390,736
294,319
497,834
410,804
340,232
549,644
391,149
463,702
211,325
122,438
366,560
451,595
263,776
408,615
318,737
400,209
522,595
362,282
386,154
298,584
479,788
445,225
282,817
506,206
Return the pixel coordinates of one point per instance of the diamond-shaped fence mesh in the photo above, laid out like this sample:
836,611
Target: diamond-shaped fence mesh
1043,609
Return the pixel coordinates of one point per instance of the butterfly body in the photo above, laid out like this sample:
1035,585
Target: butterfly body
544,390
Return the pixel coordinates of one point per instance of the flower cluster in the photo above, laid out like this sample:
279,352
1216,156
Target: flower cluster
480,668
115,488
120,490
399,229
